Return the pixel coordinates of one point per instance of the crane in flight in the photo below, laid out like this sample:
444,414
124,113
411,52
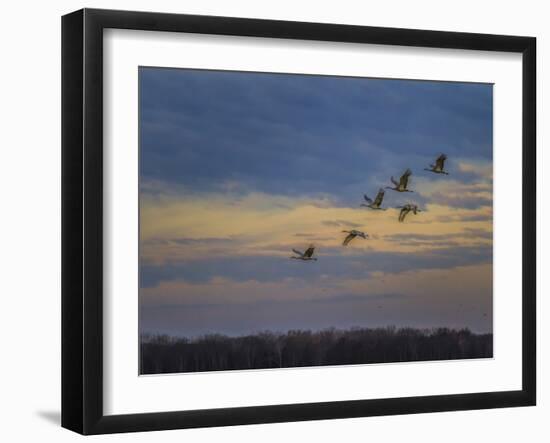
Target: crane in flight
438,166
406,209
352,234
403,182
306,256
375,204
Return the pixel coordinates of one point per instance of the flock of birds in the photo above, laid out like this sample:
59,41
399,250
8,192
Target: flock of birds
399,186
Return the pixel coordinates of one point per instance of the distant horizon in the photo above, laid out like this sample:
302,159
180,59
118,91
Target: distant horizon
238,169
313,331
329,347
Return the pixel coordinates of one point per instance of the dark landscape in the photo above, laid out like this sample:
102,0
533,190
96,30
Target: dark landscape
301,348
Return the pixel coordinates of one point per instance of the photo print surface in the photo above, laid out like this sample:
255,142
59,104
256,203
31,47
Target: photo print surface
304,220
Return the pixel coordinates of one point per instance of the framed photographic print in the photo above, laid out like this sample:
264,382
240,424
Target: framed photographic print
269,221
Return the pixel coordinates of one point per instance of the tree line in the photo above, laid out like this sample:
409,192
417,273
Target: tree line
298,348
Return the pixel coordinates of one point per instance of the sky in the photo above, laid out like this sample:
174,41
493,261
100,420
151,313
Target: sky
237,168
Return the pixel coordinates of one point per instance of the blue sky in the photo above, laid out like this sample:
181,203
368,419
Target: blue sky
238,168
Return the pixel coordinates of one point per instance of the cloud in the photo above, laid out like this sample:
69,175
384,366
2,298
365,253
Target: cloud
238,169
464,239
480,169
325,287
340,223
290,134
461,200
351,264
453,218
411,298
188,241
467,236
179,228
457,194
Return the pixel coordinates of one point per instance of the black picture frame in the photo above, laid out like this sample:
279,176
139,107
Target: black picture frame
82,218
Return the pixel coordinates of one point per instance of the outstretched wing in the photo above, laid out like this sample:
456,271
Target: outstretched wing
379,197
404,180
440,162
404,211
414,209
309,252
297,252
349,238
367,199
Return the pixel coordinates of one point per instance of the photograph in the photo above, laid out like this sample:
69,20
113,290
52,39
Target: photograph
292,217
298,220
